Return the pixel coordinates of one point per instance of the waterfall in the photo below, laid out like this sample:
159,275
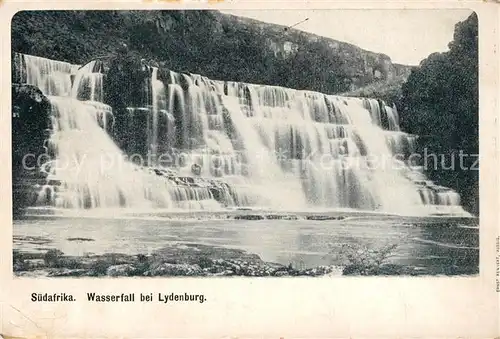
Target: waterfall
302,149
233,144
88,163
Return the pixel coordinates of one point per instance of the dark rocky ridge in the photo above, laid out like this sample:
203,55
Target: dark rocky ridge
217,45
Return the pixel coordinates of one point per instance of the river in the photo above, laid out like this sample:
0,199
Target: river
434,246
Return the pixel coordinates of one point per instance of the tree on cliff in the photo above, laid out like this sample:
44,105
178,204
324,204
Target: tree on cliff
440,104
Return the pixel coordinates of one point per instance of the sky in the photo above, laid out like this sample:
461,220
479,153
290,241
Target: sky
406,36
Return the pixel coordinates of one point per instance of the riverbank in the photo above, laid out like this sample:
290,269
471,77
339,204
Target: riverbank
186,260
191,260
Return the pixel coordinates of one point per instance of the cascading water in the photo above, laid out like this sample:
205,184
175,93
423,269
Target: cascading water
304,149
86,161
262,146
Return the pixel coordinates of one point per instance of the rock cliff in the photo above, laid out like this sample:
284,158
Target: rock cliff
217,45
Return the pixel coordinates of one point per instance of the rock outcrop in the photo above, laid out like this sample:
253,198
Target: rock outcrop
362,67
30,130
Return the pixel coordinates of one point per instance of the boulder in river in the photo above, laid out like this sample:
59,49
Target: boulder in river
249,217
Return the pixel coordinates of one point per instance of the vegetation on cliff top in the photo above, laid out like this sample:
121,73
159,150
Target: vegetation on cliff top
216,45
440,104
